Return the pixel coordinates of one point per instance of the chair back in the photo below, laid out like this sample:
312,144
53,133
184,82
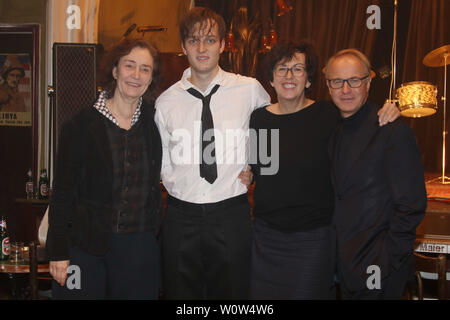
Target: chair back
33,271
37,254
435,265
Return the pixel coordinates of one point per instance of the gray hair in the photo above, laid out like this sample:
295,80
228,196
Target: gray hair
349,52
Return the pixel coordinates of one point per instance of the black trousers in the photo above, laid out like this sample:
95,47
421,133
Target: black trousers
129,270
391,288
206,250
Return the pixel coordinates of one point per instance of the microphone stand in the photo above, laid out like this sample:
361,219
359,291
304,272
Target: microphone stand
444,179
393,56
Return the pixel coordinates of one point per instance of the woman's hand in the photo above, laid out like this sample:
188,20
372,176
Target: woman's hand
246,176
58,270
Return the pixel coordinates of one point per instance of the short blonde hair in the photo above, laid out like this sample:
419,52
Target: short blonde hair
349,52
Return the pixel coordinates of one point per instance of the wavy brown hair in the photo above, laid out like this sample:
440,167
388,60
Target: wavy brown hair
202,16
111,60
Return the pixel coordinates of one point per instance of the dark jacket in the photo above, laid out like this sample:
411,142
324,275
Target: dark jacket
379,201
80,212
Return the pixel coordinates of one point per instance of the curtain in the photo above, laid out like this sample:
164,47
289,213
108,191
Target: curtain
330,25
429,27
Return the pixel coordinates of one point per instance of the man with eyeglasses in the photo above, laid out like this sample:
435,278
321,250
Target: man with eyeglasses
378,179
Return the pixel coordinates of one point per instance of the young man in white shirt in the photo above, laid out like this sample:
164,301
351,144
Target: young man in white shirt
203,120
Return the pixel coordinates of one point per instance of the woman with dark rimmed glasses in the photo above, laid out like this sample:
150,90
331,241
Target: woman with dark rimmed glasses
292,247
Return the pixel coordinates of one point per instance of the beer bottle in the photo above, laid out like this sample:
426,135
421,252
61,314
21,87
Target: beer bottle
29,185
4,238
43,185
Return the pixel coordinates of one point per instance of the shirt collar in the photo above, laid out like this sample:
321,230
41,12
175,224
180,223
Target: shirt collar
218,79
100,105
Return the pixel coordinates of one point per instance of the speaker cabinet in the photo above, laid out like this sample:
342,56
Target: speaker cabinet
74,81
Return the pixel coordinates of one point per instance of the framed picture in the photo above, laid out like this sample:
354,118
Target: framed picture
19,108
15,89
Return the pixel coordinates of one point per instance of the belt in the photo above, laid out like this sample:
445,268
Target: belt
207,207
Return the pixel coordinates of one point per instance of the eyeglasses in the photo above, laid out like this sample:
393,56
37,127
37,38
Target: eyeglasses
352,82
282,71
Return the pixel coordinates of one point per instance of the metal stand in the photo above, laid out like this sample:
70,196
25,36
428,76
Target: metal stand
51,132
444,179
393,56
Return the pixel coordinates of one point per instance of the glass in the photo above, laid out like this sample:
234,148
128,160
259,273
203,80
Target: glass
352,82
17,252
297,71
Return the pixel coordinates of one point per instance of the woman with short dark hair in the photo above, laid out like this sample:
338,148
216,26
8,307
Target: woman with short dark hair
292,254
105,208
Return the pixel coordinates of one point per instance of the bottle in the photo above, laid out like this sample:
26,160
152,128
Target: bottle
29,185
43,185
4,238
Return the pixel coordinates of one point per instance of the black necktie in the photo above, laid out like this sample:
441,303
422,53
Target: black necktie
207,170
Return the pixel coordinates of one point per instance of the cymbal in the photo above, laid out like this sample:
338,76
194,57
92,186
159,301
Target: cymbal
372,73
435,58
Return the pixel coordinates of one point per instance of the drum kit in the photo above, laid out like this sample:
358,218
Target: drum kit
419,98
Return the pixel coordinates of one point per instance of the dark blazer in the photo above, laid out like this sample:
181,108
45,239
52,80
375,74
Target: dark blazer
380,200
80,212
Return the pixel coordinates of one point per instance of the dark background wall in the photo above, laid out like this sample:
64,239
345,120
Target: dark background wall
16,143
332,25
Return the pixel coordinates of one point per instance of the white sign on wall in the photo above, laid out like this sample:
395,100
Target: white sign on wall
431,247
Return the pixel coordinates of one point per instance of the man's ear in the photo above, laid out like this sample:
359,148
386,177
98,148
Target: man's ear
368,84
183,48
222,45
308,84
329,89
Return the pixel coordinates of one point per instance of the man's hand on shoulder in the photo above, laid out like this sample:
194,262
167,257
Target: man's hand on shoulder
388,113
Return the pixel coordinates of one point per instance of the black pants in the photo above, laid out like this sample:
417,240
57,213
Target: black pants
391,287
206,250
129,270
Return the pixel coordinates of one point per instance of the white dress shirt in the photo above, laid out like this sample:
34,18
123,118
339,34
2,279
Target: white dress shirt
178,117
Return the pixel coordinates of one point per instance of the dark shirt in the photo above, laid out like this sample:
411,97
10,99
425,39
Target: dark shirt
130,178
299,196
345,136
380,197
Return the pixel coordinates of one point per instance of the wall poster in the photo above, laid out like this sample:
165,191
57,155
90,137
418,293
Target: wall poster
15,89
